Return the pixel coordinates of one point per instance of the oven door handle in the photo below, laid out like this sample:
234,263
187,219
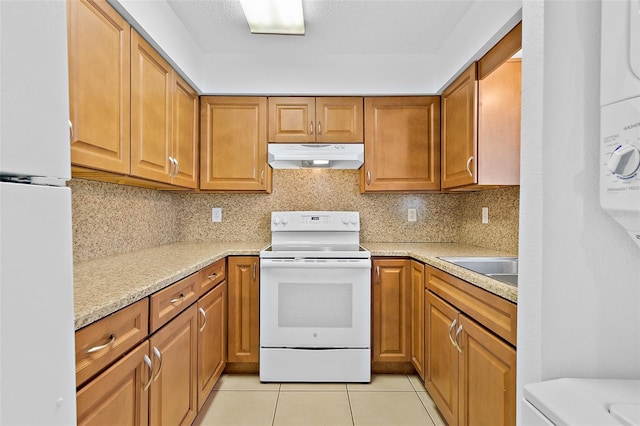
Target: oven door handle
315,263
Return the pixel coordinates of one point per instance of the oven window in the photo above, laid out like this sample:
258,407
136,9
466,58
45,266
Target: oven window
315,305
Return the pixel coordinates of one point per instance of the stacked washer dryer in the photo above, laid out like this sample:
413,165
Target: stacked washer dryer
601,402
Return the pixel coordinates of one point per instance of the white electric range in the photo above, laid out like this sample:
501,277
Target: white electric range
315,299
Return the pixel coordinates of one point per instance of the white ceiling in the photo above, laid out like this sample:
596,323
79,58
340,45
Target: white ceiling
370,27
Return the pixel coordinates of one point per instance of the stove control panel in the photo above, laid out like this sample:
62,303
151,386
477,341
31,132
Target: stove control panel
315,221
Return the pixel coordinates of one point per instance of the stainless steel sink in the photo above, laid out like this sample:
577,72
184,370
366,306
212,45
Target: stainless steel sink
503,269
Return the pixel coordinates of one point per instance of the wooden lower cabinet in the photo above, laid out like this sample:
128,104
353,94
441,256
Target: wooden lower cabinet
243,326
470,373
391,310
173,393
212,339
417,316
118,396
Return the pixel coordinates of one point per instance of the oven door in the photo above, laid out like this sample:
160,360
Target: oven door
315,303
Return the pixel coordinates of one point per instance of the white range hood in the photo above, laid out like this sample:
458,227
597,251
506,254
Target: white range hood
328,156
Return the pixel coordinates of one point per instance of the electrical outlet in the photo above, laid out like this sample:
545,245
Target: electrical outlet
411,217
216,214
485,215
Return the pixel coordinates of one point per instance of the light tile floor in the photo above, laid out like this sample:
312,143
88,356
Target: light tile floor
389,400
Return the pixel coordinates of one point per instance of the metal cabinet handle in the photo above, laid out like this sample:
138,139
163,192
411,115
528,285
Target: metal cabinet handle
204,319
177,299
147,361
172,168
261,176
158,355
469,160
175,160
254,271
455,339
70,130
319,128
453,325
112,339
378,273
311,127
212,276
368,177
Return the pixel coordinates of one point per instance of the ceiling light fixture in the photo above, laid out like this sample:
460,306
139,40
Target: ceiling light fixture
274,16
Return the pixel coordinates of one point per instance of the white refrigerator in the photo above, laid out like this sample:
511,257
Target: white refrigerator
37,368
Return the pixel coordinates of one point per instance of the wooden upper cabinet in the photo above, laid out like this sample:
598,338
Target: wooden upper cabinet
402,144
99,96
309,119
459,112
151,112
186,110
233,144
481,121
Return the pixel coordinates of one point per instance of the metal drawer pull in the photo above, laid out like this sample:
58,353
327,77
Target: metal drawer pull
319,128
453,325
468,164
456,339
158,355
112,339
311,127
212,276
177,299
369,178
147,361
204,317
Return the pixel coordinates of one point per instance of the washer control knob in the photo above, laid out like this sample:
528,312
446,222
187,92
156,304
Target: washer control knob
354,220
285,220
624,161
276,220
345,219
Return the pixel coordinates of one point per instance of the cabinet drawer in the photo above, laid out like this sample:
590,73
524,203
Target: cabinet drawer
169,302
493,312
101,343
211,276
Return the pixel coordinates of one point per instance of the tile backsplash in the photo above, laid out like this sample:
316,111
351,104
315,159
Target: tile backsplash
110,219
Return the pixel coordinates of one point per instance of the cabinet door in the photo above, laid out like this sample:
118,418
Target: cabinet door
487,377
185,133
459,130
99,96
118,396
417,316
151,118
173,393
391,311
233,150
292,120
244,311
401,144
212,340
339,119
441,375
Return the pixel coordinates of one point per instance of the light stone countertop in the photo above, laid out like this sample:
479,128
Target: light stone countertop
107,284
429,253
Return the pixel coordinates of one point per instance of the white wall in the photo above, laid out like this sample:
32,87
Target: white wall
579,294
278,72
